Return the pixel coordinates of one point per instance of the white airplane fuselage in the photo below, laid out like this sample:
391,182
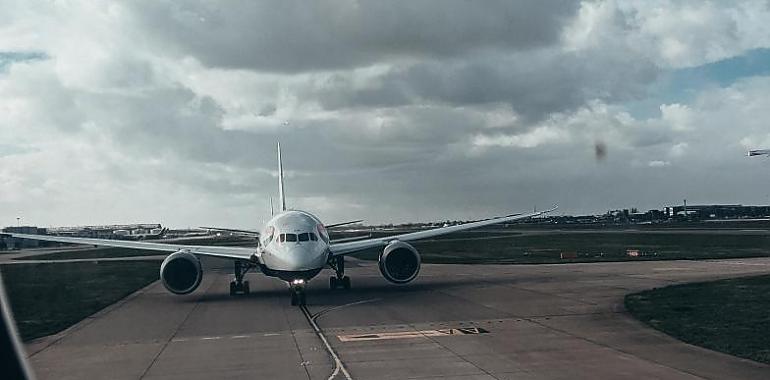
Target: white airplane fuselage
294,245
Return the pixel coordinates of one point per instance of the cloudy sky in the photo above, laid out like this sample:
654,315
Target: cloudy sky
168,111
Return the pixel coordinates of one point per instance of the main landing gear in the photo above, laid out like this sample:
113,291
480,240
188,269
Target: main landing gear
297,292
340,280
238,285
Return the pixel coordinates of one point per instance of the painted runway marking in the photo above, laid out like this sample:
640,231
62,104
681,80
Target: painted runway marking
413,334
339,367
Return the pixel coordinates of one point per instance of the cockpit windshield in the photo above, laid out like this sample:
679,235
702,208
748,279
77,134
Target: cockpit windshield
306,236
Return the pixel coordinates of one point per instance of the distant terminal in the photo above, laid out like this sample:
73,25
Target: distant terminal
759,152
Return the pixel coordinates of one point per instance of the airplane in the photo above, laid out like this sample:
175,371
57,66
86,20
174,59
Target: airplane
294,246
153,234
759,152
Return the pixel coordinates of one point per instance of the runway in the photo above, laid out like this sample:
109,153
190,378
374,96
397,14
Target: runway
562,321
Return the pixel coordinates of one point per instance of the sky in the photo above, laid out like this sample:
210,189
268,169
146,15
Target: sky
169,112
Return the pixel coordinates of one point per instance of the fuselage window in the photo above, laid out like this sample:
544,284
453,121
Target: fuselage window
313,237
291,237
304,237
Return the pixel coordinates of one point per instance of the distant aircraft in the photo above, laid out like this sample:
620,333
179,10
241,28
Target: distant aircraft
759,152
153,234
294,246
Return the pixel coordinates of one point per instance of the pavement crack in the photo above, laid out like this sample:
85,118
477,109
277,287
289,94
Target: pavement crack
176,331
607,346
303,362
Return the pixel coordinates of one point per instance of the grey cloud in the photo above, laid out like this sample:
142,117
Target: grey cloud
534,84
291,36
7,58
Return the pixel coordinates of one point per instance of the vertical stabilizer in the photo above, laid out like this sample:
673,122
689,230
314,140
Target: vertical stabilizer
281,195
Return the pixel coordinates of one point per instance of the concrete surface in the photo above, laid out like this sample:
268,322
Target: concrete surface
563,321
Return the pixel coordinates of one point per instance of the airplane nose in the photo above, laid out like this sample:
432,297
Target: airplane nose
302,258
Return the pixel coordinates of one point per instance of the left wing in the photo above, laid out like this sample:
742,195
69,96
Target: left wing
236,253
351,247
344,223
245,232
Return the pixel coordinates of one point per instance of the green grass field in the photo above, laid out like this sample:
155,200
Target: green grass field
589,247
730,316
47,298
94,253
523,247
102,252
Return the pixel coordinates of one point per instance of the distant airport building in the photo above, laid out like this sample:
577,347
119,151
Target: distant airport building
717,211
114,231
13,243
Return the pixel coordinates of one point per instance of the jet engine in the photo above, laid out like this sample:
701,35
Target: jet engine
181,272
399,262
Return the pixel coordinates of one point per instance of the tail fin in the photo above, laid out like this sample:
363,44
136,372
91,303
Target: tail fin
281,195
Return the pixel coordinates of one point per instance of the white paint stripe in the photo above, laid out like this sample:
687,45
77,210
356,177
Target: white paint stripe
271,334
409,334
239,336
338,366
211,338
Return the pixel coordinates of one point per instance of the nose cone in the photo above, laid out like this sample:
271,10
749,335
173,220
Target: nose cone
297,257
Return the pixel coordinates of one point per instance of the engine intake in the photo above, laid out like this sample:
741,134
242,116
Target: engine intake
181,272
399,262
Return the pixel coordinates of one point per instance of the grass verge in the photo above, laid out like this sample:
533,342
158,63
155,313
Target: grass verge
588,246
48,298
729,316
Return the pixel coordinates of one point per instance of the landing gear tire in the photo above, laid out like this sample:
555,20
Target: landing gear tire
297,297
238,285
339,280
346,282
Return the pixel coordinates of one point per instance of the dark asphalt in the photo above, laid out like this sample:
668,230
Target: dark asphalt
544,322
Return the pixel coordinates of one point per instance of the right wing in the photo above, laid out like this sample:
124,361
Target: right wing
236,253
355,246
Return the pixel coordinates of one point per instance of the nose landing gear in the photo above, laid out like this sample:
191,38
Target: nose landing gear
340,280
297,292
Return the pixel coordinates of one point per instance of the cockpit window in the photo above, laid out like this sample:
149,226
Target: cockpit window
281,238
304,237
312,236
269,235
291,237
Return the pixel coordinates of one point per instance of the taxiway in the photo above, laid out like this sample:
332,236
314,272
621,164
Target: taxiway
562,321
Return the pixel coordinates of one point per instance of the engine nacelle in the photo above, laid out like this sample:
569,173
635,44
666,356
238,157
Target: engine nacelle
399,262
181,272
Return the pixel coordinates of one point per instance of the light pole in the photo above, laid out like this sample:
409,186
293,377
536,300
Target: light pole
18,221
